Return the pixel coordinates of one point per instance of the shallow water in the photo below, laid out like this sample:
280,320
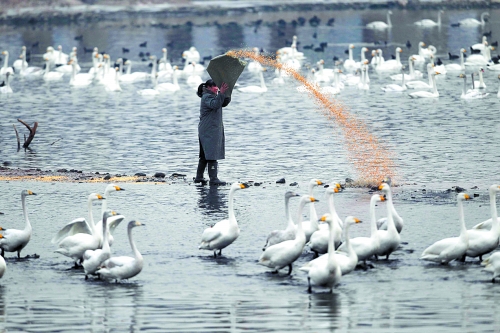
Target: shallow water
437,144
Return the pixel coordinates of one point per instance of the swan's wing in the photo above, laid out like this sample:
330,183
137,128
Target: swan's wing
382,223
440,246
209,234
483,225
114,221
116,262
77,226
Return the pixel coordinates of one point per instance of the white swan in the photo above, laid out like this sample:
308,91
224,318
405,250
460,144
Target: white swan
449,249
31,71
392,64
121,268
113,222
312,225
19,63
3,266
472,22
366,247
285,253
194,80
327,273
487,224
79,225
5,68
5,87
389,239
422,84
278,236
191,55
92,259
498,93
427,94
318,241
60,58
51,76
322,75
130,76
480,46
425,23
14,240
363,57
422,54
492,264
457,67
170,86
165,65
74,246
150,91
470,93
255,89
79,80
347,261
396,87
398,220
349,63
113,85
412,73
381,25
480,84
482,59
493,67
482,241
224,232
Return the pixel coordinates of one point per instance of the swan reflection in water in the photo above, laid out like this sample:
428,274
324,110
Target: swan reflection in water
213,201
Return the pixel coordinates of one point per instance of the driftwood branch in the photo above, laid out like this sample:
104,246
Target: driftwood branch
17,136
32,132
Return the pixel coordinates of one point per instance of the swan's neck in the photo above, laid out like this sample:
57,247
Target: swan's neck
174,77
105,240
91,217
430,76
312,210
262,83
129,68
463,230
153,72
464,87
137,254
331,244
434,86
331,208
165,57
481,81
300,236
366,77
232,218
289,220
439,18
47,67
346,237
389,20
462,64
412,72
495,225
27,226
373,222
6,61
403,74
398,58
350,55
482,19
73,71
363,58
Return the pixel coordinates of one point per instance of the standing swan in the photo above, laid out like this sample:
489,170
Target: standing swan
224,232
389,239
74,246
482,241
327,273
398,220
120,268
285,253
381,25
278,236
14,240
452,248
92,259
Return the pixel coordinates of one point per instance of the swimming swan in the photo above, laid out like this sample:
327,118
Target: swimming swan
224,232
285,253
381,25
427,94
425,23
472,22
492,264
278,236
255,89
121,268
452,248
470,93
14,240
6,88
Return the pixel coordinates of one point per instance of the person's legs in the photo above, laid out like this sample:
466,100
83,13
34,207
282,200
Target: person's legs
212,173
202,163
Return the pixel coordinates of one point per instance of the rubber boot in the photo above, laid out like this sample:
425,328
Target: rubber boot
200,171
212,173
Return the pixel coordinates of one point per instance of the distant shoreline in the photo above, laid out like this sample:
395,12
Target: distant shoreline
60,12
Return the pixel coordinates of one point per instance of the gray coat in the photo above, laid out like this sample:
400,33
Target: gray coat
211,128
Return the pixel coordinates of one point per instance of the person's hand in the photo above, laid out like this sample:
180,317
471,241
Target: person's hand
223,87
